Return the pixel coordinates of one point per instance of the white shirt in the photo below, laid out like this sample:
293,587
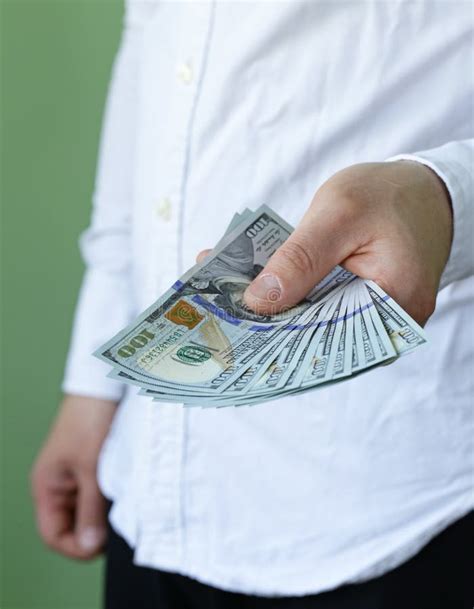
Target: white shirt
217,106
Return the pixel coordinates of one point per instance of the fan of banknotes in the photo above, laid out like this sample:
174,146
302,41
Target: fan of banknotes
199,345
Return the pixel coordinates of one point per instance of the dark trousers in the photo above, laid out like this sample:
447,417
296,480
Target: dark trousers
440,576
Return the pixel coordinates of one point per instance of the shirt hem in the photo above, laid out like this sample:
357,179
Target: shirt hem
231,583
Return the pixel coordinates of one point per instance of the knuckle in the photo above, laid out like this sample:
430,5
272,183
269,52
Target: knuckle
340,210
86,465
345,193
87,470
348,207
299,256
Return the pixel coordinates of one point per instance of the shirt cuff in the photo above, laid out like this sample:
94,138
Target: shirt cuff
100,314
452,163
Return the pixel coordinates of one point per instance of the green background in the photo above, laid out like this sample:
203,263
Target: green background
56,60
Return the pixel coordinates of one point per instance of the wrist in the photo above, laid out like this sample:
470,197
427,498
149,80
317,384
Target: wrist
438,184
435,193
95,414
89,401
430,196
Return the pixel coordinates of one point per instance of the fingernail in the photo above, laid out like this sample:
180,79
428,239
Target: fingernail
91,538
266,287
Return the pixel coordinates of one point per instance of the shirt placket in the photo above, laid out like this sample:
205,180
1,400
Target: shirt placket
160,535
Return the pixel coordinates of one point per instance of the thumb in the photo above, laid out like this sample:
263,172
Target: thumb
317,245
91,529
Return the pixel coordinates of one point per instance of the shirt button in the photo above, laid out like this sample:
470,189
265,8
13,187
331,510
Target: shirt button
163,209
185,73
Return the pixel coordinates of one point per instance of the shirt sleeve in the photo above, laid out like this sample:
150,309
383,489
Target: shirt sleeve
104,303
454,164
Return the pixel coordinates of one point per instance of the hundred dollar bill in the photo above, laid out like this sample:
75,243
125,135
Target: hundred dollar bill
403,331
381,346
294,374
250,377
237,219
235,391
275,371
200,345
277,376
343,360
321,350
264,380
199,335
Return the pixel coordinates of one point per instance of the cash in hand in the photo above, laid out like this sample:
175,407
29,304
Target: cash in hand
199,345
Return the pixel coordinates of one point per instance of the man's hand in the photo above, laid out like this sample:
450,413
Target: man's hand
70,509
390,222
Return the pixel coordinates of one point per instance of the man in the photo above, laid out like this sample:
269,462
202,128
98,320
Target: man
358,495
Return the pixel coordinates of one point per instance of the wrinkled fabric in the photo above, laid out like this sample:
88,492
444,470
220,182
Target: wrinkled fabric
216,106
